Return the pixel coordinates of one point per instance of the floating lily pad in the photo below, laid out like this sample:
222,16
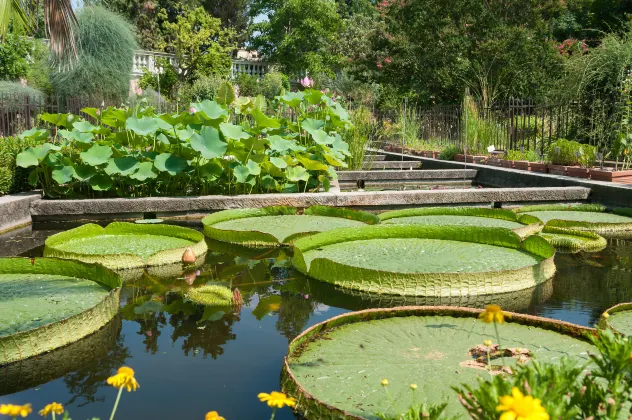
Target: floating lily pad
619,318
212,295
126,245
523,225
47,303
334,369
587,217
573,240
273,226
426,260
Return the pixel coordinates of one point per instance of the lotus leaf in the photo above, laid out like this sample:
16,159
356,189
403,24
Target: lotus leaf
208,143
36,296
166,162
145,171
126,245
96,155
145,126
334,369
63,175
272,226
100,182
211,110
122,166
234,132
426,260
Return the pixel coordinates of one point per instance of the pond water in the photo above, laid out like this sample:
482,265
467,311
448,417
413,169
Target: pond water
189,361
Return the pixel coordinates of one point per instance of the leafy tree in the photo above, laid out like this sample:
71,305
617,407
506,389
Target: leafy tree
13,57
234,14
299,35
147,16
201,45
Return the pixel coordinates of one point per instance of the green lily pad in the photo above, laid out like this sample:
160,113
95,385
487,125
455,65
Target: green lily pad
573,240
211,295
426,260
272,226
126,245
47,303
619,318
454,221
334,369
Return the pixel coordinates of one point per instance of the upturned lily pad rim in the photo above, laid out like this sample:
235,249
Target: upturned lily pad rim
126,260
586,240
107,307
620,307
259,238
305,400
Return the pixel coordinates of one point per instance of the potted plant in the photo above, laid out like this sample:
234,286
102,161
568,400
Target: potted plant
571,158
522,160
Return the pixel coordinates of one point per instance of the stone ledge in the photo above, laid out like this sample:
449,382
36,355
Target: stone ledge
391,164
15,210
406,174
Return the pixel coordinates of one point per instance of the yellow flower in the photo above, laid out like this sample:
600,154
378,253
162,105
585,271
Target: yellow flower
212,415
124,378
605,315
517,406
276,399
493,313
52,408
413,386
384,382
488,343
15,410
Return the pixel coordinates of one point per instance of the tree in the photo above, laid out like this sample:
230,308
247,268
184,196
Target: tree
201,45
59,21
300,36
13,57
234,14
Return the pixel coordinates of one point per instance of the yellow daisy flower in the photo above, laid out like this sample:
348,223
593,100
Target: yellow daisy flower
52,408
124,378
12,410
212,415
518,406
384,382
493,313
488,343
276,399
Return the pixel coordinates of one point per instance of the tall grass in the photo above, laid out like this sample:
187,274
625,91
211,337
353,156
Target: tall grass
359,138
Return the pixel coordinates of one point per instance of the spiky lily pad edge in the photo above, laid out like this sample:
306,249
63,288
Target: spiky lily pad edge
595,208
254,238
603,323
573,240
126,261
427,284
29,343
312,408
607,230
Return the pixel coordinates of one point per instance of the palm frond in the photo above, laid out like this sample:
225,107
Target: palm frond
13,12
60,28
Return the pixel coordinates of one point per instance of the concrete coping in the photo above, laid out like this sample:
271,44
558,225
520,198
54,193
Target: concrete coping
392,164
406,174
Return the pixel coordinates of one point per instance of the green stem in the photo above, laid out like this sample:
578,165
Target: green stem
391,398
118,398
53,413
273,413
499,346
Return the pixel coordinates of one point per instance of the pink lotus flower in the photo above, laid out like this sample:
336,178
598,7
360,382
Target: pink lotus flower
387,60
192,110
379,65
98,112
139,91
307,82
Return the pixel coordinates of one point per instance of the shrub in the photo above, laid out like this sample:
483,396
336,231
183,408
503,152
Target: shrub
39,72
13,179
450,152
16,88
248,85
107,46
571,153
360,136
14,52
205,87
273,84
167,80
528,155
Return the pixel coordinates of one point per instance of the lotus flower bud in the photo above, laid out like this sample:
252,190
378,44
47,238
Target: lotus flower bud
189,256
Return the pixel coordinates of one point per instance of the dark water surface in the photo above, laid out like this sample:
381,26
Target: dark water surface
189,360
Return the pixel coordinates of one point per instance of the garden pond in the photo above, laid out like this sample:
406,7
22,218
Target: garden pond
189,361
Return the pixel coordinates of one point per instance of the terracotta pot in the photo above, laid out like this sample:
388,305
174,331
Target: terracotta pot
493,162
557,169
622,177
539,167
523,165
578,172
430,154
459,157
506,163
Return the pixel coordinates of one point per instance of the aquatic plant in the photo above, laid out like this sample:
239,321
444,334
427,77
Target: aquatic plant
123,245
425,260
211,148
212,295
274,226
123,379
276,400
573,240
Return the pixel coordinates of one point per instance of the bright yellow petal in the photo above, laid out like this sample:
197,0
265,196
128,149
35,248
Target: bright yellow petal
508,415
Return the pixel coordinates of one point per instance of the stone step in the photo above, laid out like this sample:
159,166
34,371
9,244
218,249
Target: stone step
408,175
391,164
374,158
400,185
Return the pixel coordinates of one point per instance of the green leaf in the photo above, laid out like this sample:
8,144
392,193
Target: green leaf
100,182
253,167
279,144
310,125
34,155
297,173
93,112
211,170
278,162
269,183
124,166
166,162
145,172
312,165
76,136
84,172
234,132
322,138
63,175
185,134
84,126
241,173
210,110
96,155
341,146
225,93
208,143
144,126
293,99
60,120
264,121
35,134
114,117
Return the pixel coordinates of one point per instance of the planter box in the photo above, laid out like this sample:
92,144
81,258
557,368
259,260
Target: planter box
557,169
432,155
506,163
493,162
459,157
523,165
539,167
470,158
622,177
578,172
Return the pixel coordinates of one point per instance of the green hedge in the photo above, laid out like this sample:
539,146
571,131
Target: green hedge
13,179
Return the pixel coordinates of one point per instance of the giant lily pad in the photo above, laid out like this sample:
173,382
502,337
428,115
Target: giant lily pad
48,303
272,226
334,369
587,217
573,240
619,318
523,225
426,260
126,245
